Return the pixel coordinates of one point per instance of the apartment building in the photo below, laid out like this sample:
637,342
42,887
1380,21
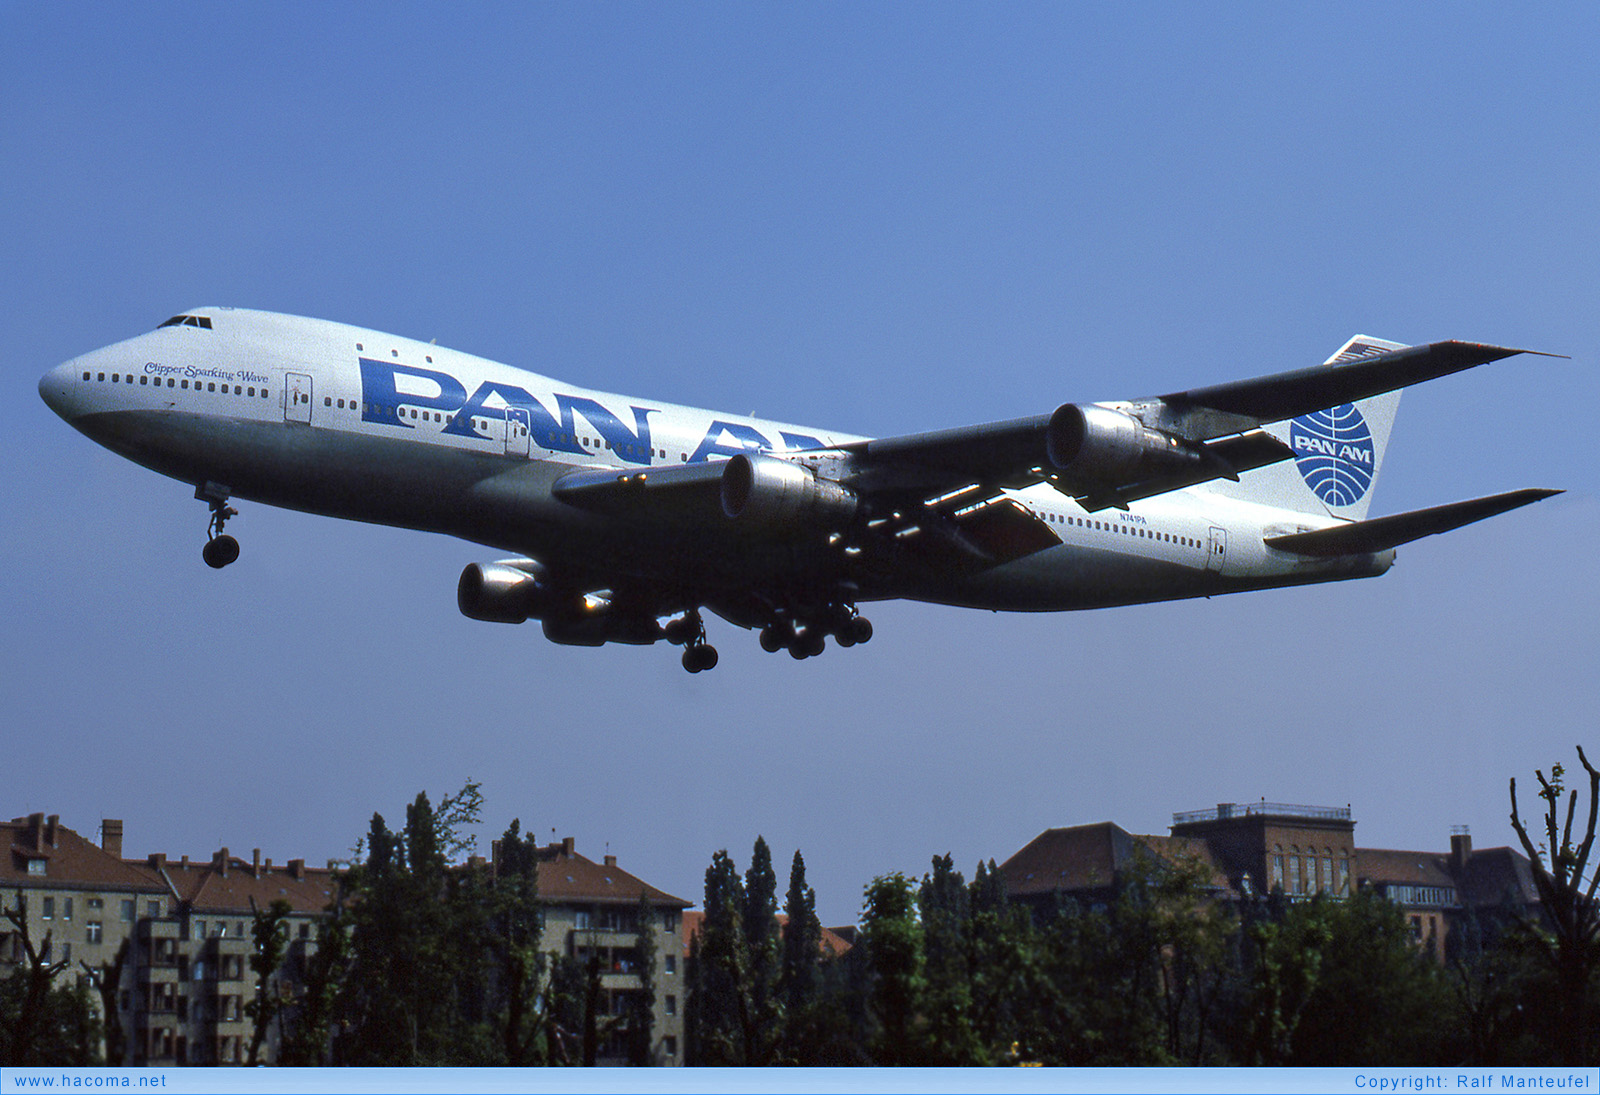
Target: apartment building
166,943
1250,849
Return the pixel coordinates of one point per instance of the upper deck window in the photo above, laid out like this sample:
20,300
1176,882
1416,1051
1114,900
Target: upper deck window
188,321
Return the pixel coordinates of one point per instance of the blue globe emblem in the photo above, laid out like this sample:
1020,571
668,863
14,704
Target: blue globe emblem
1334,452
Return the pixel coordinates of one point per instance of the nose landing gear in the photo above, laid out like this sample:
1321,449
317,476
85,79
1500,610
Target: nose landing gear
689,632
221,549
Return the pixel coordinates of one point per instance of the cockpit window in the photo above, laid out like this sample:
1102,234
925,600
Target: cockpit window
188,321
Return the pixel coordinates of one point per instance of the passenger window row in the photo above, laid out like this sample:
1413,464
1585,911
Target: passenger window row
173,382
1119,529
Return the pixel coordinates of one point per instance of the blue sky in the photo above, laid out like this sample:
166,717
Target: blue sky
877,218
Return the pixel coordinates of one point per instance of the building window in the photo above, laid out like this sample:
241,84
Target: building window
672,1004
66,908
93,932
1277,870
127,911
672,964
47,908
1294,872
36,866
1343,886
670,1044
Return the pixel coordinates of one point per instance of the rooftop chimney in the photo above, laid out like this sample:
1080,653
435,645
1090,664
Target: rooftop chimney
566,846
184,863
158,860
1460,850
297,869
611,861
51,824
220,862
111,836
255,863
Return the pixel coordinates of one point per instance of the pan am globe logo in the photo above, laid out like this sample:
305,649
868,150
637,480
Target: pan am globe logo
1334,452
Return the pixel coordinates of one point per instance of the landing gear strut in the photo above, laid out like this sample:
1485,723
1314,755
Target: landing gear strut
221,549
689,632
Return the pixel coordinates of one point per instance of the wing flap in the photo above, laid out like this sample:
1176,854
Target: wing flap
1382,533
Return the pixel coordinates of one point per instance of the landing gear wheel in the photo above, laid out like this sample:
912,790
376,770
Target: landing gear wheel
220,551
774,637
859,630
697,659
808,644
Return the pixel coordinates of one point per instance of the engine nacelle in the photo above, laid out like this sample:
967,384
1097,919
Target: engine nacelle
1112,448
600,627
502,593
767,492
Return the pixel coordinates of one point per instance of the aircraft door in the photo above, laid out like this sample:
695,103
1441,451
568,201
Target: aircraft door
518,429
297,398
1217,550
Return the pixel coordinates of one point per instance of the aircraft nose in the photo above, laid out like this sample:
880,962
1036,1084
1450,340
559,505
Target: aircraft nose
56,389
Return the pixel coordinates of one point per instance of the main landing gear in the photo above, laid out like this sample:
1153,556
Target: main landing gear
689,632
807,637
220,549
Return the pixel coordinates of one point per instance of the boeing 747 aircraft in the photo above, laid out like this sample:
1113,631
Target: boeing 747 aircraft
622,513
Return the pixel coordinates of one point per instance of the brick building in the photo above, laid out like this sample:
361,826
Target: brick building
166,943
1250,849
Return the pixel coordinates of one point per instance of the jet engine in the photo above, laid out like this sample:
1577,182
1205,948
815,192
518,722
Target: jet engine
767,492
507,592
1105,446
598,627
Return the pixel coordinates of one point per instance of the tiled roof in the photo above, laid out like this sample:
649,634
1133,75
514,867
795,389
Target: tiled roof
1083,857
210,888
1384,865
1089,857
567,876
1498,875
70,862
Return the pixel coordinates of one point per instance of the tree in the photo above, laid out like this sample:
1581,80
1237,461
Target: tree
307,1044
418,989
802,941
1569,936
893,941
515,932
42,1023
1377,997
721,986
641,1003
759,924
945,912
106,980
270,936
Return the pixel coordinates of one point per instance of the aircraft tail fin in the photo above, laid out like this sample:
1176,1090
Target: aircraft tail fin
1337,451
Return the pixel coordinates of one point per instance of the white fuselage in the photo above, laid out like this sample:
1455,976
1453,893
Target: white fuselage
353,423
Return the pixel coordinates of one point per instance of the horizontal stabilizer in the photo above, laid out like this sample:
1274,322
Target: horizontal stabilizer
1382,533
